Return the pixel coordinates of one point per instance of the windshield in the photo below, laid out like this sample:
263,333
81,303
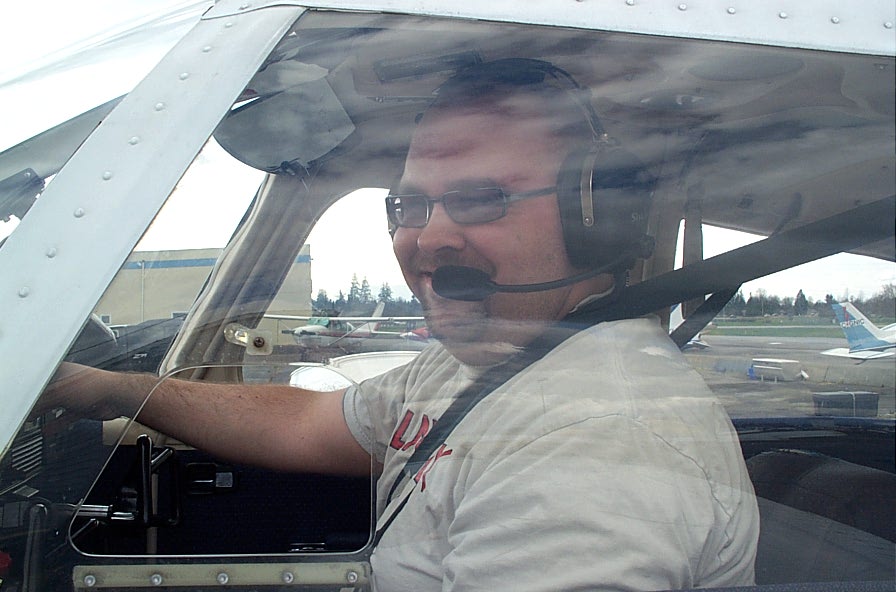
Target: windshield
573,290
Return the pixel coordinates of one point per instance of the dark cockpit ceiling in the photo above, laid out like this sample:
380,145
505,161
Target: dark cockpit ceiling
756,138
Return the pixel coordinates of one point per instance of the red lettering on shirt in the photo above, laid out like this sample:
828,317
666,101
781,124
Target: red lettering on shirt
398,437
420,477
421,433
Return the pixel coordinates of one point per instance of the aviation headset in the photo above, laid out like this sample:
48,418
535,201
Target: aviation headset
603,191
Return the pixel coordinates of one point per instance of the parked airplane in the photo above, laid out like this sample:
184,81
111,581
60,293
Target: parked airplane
866,340
359,334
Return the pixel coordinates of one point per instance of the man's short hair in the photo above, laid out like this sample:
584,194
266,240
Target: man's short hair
508,86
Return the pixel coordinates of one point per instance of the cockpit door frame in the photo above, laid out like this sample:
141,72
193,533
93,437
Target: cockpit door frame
90,218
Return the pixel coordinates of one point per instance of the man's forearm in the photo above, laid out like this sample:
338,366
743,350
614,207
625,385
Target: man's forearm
274,426
279,427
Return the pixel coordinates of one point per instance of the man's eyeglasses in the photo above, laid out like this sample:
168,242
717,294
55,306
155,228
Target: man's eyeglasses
470,206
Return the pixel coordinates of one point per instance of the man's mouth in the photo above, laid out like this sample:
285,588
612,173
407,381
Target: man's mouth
434,270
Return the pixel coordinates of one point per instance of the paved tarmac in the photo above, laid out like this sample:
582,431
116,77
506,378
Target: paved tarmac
725,367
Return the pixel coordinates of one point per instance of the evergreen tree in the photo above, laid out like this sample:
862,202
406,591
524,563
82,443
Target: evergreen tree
322,302
800,304
385,294
354,291
756,304
824,309
735,306
364,294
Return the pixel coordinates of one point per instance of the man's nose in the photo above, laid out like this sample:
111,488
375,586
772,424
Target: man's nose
440,232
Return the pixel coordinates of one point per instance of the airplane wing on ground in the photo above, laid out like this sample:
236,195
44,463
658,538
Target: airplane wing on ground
279,317
844,352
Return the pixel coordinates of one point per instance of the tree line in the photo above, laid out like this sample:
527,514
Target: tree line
359,301
760,303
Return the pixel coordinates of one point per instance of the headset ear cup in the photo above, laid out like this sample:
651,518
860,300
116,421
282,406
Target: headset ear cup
620,192
576,235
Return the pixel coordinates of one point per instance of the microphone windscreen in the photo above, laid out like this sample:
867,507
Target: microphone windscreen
462,283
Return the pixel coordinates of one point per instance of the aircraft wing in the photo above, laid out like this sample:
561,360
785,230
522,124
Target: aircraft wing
279,317
843,352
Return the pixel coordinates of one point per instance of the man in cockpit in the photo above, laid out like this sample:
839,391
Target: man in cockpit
519,451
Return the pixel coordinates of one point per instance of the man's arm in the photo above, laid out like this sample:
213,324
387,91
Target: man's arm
274,426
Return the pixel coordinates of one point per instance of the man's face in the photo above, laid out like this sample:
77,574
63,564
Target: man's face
463,150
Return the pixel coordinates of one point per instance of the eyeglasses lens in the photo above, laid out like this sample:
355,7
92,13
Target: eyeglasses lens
409,210
475,206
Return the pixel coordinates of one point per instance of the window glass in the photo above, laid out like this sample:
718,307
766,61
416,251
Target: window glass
777,347
738,188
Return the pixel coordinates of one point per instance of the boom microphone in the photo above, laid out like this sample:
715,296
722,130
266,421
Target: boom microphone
472,285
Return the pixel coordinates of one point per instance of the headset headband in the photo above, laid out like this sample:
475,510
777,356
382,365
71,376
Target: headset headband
482,78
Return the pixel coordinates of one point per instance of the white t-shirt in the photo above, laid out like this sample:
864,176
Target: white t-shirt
608,464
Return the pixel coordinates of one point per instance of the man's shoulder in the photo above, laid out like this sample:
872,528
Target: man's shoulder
616,350
646,329
628,371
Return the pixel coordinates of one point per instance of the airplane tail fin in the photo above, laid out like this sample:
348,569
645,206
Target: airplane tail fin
860,332
380,307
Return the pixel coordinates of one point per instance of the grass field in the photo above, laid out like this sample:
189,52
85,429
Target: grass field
775,326
775,331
